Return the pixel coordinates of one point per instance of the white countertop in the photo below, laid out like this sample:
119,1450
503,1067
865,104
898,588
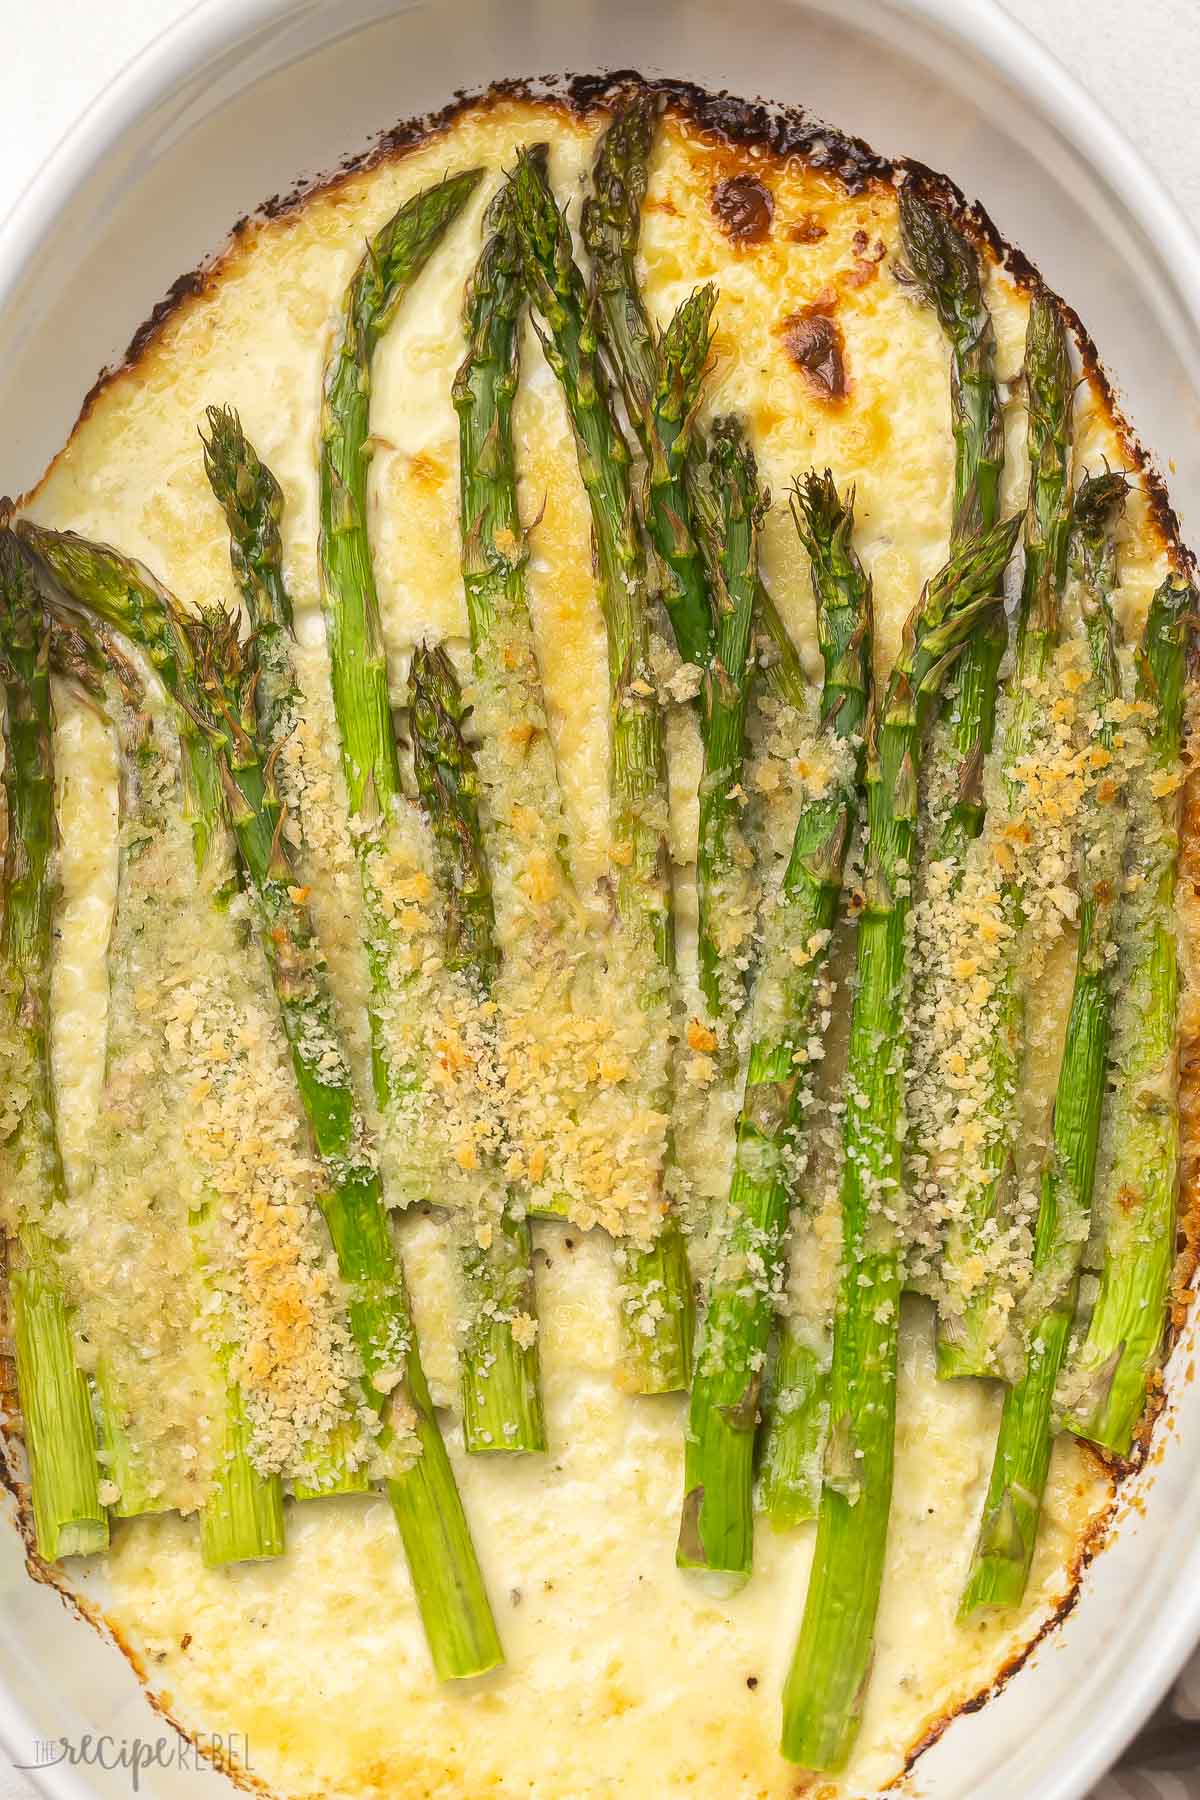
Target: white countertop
61,53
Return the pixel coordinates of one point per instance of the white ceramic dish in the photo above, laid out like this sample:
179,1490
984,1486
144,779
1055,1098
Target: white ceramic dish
242,97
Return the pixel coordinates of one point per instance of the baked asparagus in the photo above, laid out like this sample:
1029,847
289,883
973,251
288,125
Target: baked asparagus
370,759
660,378
210,674
1008,1531
946,267
242,1518
826,1683
59,1430
252,500
502,1406
731,513
718,1514
1133,1250
657,1314
967,1324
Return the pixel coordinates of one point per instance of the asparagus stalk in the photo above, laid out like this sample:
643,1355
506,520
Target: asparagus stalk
502,1405
242,1519
1135,1206
485,387
946,267
354,627
252,501
718,1515
1008,1531
211,676
965,1328
732,511
495,554
660,389
358,667
77,655
796,1402
60,1433
658,1311
794,1428
660,379
825,1687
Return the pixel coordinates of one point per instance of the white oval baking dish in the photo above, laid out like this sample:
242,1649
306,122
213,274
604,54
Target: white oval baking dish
244,96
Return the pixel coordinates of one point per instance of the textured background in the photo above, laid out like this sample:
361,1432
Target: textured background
1139,58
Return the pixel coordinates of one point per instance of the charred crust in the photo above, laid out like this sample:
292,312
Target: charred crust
813,340
781,132
743,207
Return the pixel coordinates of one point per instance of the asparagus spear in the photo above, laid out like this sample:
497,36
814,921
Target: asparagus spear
658,1309
494,558
947,269
211,676
794,1427
796,1401
732,512
718,1516
252,501
825,1687
60,1434
1008,1531
660,379
502,1406
660,388
966,1330
358,667
357,652
1135,1205
242,1519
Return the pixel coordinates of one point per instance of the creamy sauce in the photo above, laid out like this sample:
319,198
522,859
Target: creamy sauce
623,1676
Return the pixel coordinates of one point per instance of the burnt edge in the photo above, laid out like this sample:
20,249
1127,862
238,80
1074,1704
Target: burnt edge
753,126
782,132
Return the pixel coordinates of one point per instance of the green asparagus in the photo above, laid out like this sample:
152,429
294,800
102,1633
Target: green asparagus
502,1406
731,513
658,1308
946,267
718,1516
252,501
1008,1531
824,1691
966,1324
660,383
1135,1205
242,1519
211,676
60,1434
794,1427
357,652
362,703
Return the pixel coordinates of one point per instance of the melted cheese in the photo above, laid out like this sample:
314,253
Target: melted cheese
623,1674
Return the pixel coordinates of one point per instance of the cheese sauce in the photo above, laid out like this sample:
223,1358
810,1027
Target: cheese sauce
624,1676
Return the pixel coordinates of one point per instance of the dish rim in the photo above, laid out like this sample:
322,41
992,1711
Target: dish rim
178,50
